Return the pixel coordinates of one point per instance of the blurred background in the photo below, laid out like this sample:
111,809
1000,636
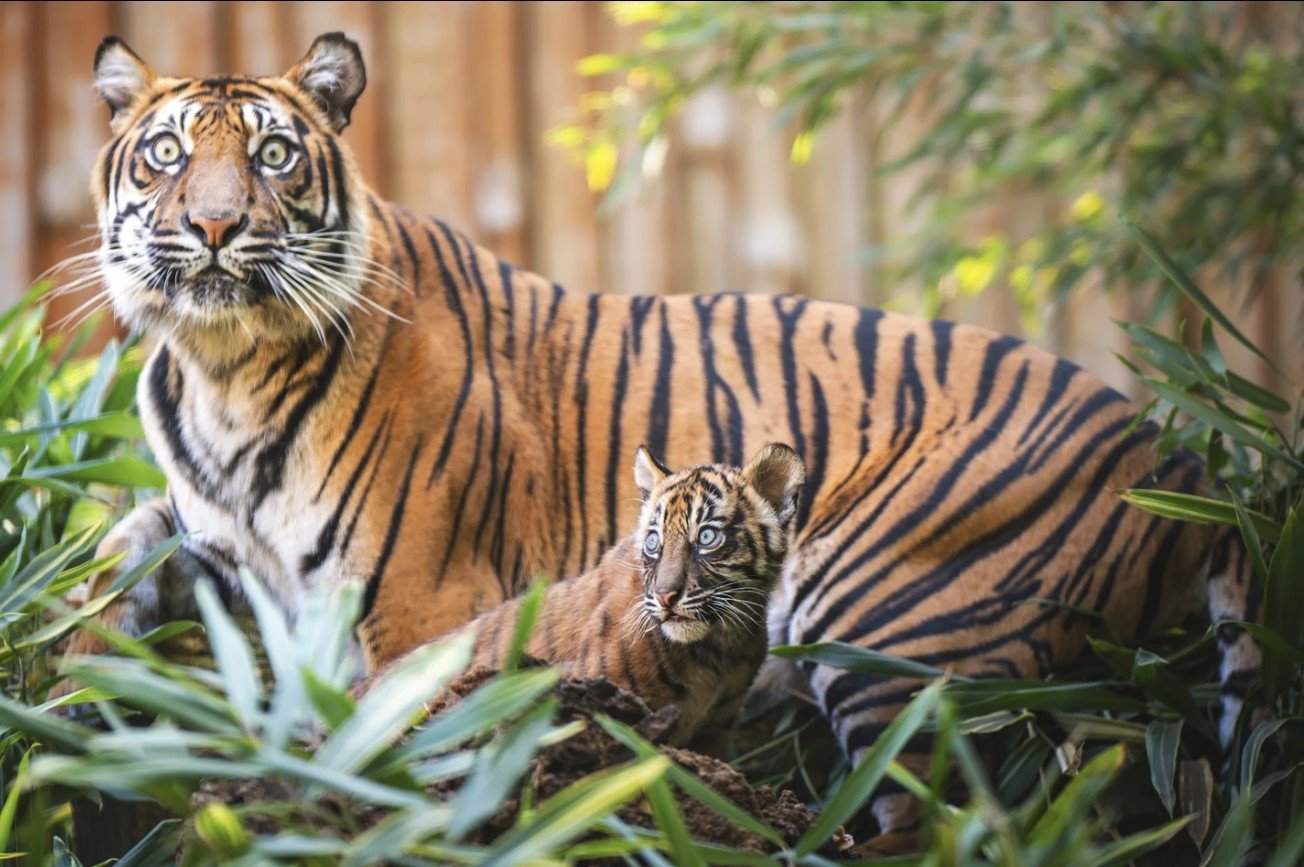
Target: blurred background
461,97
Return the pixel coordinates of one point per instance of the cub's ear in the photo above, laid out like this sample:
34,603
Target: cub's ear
120,76
648,471
332,73
777,474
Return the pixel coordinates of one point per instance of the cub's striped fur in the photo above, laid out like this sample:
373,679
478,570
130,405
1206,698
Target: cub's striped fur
675,612
447,453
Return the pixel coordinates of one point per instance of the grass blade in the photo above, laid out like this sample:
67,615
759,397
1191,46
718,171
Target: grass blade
861,782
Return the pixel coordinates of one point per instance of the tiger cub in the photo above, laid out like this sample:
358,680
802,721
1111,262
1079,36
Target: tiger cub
674,612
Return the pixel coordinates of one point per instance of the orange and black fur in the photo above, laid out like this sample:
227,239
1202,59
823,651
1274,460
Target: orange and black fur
675,612
469,438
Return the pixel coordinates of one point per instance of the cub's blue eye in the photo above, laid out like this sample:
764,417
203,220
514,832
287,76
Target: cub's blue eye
652,543
708,538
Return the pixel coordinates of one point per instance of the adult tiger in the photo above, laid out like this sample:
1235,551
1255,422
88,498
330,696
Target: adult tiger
447,453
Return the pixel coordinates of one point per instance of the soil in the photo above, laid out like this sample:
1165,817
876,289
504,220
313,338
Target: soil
589,750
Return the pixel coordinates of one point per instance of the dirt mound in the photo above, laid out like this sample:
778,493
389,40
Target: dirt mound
561,764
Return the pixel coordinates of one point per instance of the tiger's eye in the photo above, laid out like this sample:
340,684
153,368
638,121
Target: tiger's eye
166,149
708,538
274,153
652,543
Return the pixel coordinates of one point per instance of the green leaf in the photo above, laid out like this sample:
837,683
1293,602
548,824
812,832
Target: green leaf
158,848
44,727
498,769
235,661
333,706
1209,346
1290,848
1162,740
345,782
860,660
1133,846
526,615
985,696
1190,290
390,839
690,784
486,707
573,811
391,705
1201,510
856,789
1234,835
671,823
1250,535
1081,793
1254,745
10,808
288,697
1217,420
63,857
118,425
126,470
173,695
1283,593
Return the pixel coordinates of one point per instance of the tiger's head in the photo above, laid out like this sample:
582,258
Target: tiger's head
229,204
713,540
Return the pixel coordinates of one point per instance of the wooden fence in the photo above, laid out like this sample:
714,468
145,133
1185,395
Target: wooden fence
459,97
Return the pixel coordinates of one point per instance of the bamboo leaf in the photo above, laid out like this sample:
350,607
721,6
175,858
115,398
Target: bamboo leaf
856,789
860,660
1202,510
574,810
1190,290
391,705
235,661
1162,740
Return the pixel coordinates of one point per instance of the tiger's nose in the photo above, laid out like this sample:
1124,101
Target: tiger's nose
667,600
215,232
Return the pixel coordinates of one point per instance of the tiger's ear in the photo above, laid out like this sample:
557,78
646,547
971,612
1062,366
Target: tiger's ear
648,471
120,76
333,74
777,474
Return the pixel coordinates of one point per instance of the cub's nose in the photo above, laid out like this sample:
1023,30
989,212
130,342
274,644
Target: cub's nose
667,600
215,232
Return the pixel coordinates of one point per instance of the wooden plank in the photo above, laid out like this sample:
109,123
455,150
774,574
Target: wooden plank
17,213
499,153
177,39
563,239
705,131
768,238
832,195
257,38
635,249
72,125
426,106
359,21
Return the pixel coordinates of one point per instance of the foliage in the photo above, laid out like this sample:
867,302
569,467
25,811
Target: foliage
1115,761
1168,112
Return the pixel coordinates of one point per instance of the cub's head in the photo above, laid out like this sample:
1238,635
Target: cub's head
713,540
229,205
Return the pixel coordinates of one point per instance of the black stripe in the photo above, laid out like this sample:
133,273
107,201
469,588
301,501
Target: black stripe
391,535
996,350
454,299
354,423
